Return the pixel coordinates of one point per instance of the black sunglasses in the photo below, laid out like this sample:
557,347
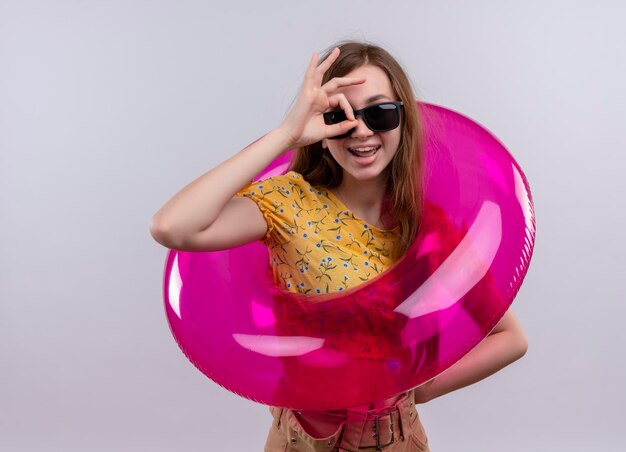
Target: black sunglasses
378,118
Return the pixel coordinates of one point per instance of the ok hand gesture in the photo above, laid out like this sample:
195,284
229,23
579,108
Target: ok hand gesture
304,124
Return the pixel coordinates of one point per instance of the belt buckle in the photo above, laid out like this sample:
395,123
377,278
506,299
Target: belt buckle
379,447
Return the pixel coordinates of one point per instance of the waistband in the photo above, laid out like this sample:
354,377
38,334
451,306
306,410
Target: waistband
357,430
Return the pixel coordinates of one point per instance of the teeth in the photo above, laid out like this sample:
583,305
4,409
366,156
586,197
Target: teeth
370,148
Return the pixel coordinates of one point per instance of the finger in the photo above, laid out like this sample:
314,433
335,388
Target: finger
310,70
324,65
341,128
341,101
338,82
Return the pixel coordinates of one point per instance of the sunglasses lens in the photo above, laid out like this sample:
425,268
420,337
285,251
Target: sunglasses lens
334,117
383,117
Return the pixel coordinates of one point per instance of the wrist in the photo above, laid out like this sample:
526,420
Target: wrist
286,136
423,393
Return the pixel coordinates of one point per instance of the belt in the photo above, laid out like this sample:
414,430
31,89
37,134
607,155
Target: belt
376,431
380,432
359,431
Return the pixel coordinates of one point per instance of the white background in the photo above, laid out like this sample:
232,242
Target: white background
108,108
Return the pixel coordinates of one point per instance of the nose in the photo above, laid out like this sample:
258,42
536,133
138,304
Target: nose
361,130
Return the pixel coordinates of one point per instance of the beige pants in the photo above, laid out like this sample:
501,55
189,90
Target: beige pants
398,430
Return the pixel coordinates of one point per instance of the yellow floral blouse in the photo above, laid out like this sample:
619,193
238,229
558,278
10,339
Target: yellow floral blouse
316,244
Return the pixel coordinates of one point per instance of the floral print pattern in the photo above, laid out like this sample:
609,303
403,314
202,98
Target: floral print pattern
316,244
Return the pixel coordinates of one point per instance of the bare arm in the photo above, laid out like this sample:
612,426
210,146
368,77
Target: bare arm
204,215
181,221
504,345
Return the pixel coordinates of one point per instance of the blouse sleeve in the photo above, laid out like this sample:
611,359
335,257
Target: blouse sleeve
271,196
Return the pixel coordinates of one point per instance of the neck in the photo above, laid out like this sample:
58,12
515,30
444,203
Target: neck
363,198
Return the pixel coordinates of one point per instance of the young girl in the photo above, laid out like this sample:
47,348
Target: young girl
348,208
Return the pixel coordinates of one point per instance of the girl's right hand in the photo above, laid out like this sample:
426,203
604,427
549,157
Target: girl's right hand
304,124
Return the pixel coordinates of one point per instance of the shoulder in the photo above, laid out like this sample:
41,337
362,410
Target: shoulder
295,179
290,183
290,178
277,189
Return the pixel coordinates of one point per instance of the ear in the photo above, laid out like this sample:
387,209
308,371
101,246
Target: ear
325,143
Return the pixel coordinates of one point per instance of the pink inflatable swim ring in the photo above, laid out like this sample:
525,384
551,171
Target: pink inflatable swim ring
385,336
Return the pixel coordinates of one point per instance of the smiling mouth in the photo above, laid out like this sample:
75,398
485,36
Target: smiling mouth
364,152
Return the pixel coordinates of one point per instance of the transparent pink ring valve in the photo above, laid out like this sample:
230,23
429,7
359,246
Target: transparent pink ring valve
385,336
